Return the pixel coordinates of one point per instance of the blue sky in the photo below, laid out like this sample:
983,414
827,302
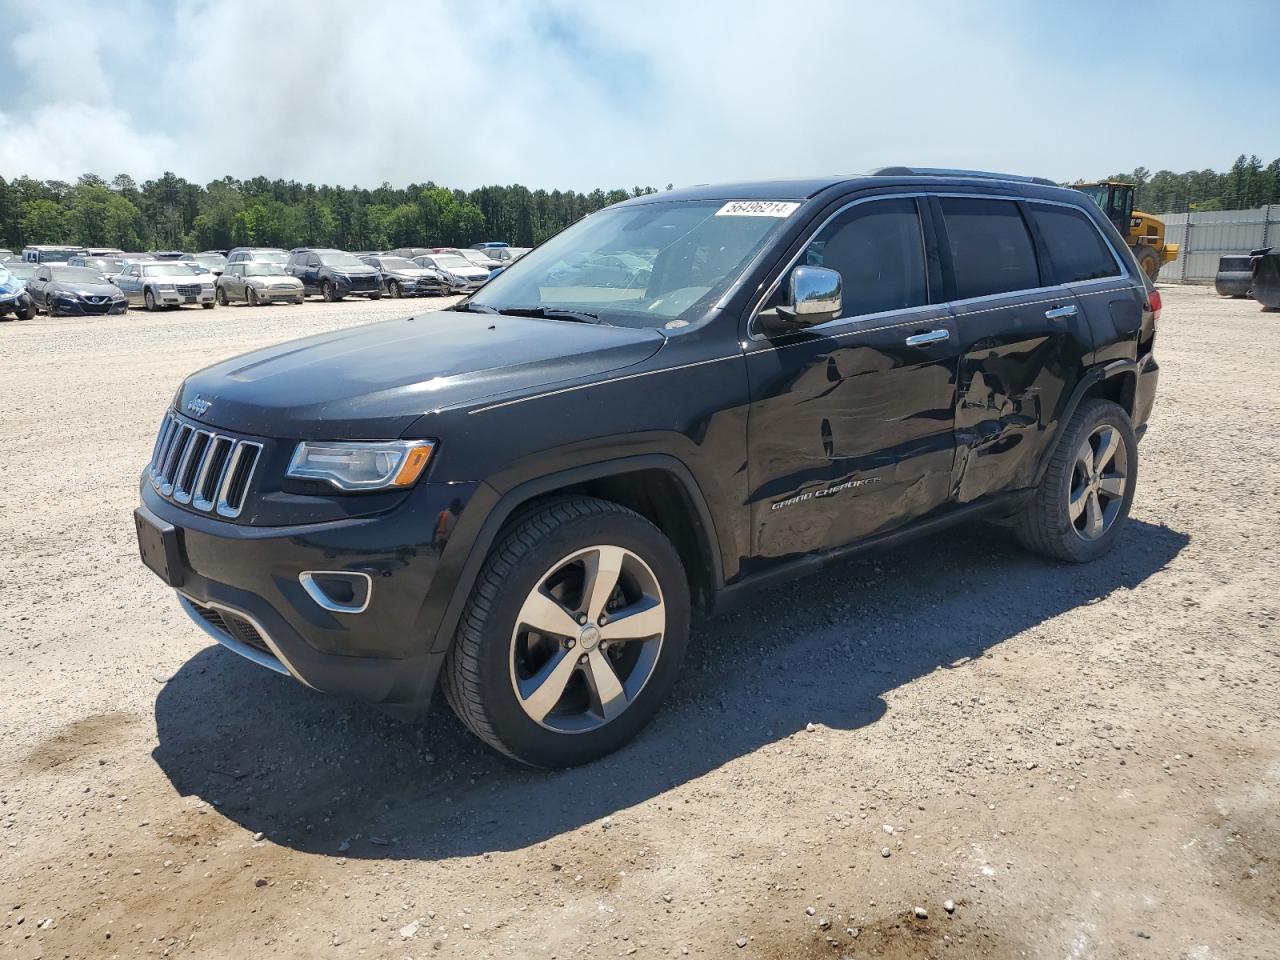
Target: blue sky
578,95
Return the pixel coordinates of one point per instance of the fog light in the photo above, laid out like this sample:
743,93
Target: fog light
338,591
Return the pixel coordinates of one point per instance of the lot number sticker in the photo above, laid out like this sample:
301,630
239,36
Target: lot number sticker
758,208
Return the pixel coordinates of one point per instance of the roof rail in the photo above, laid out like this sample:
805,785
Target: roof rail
943,172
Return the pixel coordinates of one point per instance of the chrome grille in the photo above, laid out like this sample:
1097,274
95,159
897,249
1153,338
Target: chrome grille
203,468
189,289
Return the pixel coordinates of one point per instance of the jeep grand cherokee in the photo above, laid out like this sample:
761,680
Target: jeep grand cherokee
523,498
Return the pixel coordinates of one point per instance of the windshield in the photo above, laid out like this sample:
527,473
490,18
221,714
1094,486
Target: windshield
340,260
640,265
104,264
476,256
269,256
171,269
1098,193
76,275
23,271
398,263
451,261
263,270
211,259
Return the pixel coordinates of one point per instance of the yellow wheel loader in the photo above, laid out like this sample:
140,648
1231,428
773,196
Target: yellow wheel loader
1143,232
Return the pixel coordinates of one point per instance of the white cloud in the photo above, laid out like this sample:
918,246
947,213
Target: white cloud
567,94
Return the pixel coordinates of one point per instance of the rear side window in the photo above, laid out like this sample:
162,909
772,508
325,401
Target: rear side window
1076,249
878,249
991,250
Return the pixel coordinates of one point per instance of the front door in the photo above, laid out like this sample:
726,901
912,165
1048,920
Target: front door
850,431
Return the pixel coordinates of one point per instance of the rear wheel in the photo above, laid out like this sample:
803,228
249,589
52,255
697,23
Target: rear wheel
1148,260
1084,498
573,635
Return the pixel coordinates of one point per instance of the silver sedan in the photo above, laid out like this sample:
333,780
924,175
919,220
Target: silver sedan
257,282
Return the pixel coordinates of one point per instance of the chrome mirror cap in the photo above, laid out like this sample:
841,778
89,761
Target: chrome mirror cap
815,294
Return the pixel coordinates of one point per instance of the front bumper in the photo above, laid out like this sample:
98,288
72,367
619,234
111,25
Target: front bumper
171,298
242,585
279,293
80,308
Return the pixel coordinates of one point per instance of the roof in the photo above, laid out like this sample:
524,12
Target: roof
806,188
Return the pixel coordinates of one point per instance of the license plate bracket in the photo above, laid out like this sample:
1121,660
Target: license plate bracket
159,547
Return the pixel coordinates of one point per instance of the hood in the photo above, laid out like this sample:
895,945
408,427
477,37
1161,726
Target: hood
180,278
85,289
373,381
473,273
360,271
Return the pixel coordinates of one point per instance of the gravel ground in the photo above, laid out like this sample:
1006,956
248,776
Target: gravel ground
1080,761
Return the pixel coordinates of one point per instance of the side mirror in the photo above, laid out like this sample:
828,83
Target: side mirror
814,296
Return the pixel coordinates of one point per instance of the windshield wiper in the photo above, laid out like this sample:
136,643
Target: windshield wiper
551,313
468,307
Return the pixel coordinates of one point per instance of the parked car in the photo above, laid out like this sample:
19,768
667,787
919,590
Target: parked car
62,290
5,255
212,261
408,252
50,253
404,278
481,259
109,266
265,254
527,507
1266,277
489,245
15,302
334,274
103,252
507,255
459,273
166,283
256,283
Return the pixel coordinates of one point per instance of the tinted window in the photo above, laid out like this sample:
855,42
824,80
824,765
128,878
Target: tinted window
1076,249
991,250
878,250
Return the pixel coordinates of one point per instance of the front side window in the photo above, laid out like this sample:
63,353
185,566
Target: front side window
1076,250
991,251
878,249
641,266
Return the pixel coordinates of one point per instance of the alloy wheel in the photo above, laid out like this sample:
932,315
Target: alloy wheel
587,639
1099,478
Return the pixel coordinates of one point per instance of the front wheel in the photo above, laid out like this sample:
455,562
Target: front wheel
1148,260
221,296
573,635
395,290
1084,498
330,292
149,301
252,297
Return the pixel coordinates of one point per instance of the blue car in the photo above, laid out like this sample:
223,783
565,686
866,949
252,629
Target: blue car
14,298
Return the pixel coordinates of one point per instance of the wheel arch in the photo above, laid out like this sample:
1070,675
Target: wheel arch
659,487
1116,381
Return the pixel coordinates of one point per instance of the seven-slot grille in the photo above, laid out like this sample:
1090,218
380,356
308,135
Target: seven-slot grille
200,467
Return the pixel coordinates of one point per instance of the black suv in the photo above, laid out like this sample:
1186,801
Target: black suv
333,274
525,496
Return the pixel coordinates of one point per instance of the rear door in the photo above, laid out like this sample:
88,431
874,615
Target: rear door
38,286
850,428
1023,342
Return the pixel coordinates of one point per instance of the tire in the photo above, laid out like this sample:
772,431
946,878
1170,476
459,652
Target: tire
29,312
206,306
221,296
297,301
50,309
1046,524
330,292
1148,260
492,655
252,296
377,295
149,300
393,288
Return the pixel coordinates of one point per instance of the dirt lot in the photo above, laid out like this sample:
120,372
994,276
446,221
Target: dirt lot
1084,760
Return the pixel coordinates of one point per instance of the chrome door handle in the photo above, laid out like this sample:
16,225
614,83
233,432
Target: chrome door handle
1057,313
933,336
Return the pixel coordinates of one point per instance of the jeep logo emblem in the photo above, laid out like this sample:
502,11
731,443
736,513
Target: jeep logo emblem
198,405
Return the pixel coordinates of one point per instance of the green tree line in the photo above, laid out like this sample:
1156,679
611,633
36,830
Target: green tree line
173,213
1246,185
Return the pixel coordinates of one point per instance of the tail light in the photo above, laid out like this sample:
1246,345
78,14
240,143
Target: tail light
1153,298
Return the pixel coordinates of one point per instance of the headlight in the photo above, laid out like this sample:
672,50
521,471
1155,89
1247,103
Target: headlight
164,286
362,466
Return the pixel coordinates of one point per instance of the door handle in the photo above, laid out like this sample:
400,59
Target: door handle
933,336
1057,313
